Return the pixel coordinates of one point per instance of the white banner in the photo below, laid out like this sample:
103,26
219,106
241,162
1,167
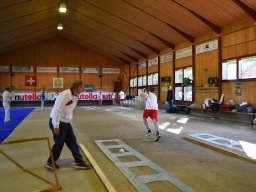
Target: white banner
142,65
90,70
182,53
46,69
4,69
153,61
111,70
205,47
22,68
69,70
28,96
168,57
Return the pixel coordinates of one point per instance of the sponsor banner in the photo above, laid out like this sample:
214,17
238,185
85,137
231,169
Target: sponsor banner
46,69
58,83
27,96
182,53
90,70
168,57
69,70
22,68
209,46
4,69
30,80
111,70
153,61
142,65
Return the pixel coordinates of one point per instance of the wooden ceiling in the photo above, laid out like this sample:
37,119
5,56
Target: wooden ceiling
124,30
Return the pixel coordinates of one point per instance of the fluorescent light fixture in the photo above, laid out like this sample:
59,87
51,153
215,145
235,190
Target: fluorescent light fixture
62,8
59,26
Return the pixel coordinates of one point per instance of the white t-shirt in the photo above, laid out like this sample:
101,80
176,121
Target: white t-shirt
151,101
7,97
63,108
121,95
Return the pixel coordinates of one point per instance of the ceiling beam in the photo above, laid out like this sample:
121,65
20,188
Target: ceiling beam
211,25
134,49
248,10
140,53
185,35
117,16
133,58
122,59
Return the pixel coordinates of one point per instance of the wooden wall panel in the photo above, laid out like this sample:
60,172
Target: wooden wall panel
184,62
166,70
207,65
142,71
5,80
248,92
133,69
91,79
134,91
153,69
57,52
202,94
69,78
46,79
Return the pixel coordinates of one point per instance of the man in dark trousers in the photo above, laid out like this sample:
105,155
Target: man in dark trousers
169,100
60,117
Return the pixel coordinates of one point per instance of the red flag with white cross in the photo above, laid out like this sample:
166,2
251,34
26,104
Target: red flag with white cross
30,80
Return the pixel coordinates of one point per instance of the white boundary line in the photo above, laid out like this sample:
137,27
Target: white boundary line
98,170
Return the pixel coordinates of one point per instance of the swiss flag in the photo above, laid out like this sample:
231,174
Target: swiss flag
30,80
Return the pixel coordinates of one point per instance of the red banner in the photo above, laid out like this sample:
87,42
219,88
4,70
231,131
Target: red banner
30,80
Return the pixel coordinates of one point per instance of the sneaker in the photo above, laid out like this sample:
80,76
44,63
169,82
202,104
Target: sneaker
158,136
149,133
82,165
49,165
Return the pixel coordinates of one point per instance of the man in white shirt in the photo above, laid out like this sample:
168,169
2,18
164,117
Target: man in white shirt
60,117
121,97
7,99
151,111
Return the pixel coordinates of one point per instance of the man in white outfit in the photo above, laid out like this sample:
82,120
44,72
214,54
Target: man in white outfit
59,123
151,111
7,99
121,97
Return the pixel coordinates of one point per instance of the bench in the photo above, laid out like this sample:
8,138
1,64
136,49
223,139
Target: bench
224,115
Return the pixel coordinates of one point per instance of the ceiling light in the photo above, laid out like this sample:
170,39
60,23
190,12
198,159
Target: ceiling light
60,26
62,8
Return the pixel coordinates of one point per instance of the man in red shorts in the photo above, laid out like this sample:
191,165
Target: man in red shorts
151,111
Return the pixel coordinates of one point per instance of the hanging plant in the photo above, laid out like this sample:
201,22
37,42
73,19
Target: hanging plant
186,81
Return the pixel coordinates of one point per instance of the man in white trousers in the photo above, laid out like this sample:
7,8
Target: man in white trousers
7,99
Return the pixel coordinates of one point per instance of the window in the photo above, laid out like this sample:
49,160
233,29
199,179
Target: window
131,82
135,82
150,79
155,79
183,84
247,68
242,68
229,71
144,80
139,81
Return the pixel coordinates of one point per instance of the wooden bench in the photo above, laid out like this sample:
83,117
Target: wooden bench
224,115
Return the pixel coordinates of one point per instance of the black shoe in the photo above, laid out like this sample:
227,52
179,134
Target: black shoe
82,165
149,133
158,136
49,165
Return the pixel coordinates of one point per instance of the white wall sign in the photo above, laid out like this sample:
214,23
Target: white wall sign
90,70
4,69
58,83
46,69
142,65
153,61
111,70
205,47
22,68
168,57
69,70
182,53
